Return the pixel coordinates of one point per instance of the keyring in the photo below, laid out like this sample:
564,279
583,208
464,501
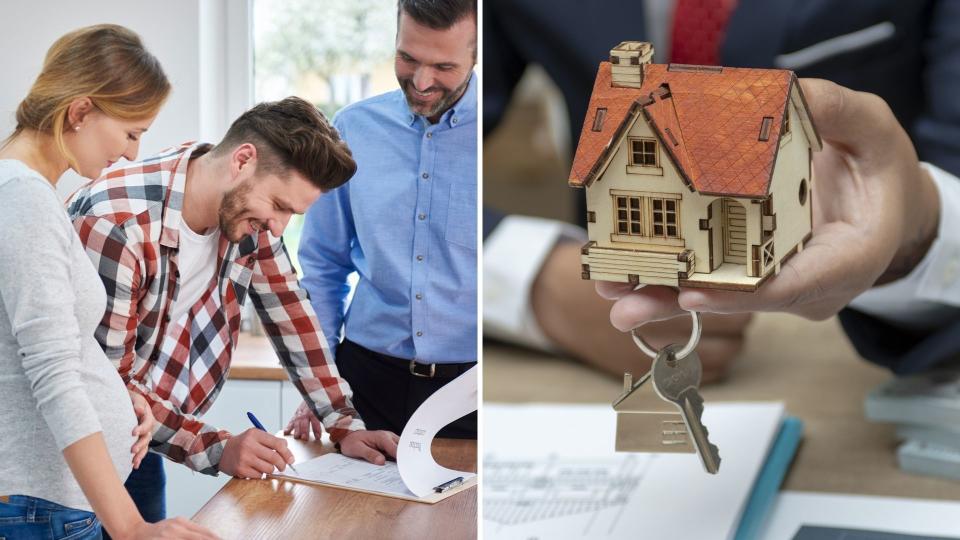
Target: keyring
687,349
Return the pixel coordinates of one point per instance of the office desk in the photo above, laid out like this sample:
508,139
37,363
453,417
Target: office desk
290,510
810,366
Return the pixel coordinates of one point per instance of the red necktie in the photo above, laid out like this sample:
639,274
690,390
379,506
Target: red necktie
698,29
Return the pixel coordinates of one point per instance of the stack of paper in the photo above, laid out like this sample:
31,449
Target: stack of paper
926,408
550,471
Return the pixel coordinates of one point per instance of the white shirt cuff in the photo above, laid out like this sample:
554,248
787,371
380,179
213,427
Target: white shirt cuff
512,257
931,291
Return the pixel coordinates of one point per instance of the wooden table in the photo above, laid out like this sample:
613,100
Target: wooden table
290,510
810,366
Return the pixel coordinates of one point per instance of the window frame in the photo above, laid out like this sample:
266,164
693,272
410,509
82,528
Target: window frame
628,221
670,204
632,153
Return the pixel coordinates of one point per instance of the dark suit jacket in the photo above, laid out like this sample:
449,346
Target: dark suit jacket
916,70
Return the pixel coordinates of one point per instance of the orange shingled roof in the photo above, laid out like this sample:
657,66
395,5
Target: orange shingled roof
715,119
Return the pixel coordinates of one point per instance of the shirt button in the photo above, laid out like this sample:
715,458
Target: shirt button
419,257
419,333
422,217
425,175
454,120
419,296
429,134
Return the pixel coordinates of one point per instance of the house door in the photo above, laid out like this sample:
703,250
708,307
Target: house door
734,232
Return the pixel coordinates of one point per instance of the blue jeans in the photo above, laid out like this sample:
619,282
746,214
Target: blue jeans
30,518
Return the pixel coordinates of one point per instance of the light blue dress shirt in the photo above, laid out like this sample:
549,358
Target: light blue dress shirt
407,224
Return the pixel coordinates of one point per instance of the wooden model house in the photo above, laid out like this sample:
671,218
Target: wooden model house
696,176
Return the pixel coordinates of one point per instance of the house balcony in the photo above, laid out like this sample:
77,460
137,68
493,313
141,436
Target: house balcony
636,266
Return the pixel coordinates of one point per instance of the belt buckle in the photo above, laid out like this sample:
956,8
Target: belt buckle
414,372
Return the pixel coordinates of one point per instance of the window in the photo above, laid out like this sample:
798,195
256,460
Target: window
765,128
648,217
598,119
629,218
664,218
330,53
643,152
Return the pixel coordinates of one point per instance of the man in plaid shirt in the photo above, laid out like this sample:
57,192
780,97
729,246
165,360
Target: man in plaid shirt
181,240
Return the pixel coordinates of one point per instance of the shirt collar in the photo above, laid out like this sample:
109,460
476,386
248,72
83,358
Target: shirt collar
463,111
173,202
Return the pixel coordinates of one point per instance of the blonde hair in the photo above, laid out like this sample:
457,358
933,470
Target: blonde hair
106,63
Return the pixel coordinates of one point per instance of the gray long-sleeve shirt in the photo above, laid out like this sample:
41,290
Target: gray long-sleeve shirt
56,384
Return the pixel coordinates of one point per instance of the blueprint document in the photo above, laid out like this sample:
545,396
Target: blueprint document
550,472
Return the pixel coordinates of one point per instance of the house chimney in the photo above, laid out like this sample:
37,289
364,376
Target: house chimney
627,60
627,382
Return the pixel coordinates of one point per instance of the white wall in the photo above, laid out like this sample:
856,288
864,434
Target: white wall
191,41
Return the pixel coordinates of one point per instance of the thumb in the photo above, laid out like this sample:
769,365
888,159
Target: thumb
855,121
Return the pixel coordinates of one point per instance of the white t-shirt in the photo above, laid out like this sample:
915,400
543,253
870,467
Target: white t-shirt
197,263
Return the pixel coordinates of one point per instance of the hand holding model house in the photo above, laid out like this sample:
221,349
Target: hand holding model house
872,211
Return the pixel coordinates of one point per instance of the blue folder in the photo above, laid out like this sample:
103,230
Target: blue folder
767,486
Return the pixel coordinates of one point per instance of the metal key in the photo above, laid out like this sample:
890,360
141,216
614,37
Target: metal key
677,379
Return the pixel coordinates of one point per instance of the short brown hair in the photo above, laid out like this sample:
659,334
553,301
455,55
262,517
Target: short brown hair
292,134
106,63
438,14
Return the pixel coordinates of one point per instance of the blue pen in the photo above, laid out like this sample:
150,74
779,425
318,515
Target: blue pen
258,425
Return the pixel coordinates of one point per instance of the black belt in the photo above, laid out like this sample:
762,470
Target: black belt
420,369
441,371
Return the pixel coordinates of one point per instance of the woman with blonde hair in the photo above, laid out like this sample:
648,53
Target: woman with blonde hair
67,423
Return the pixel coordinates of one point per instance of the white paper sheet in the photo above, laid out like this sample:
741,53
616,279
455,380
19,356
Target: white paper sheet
549,471
415,473
417,467
337,469
886,514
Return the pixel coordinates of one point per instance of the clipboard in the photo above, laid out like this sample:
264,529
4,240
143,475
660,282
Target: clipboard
313,473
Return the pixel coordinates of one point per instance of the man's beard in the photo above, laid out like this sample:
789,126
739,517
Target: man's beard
231,208
447,99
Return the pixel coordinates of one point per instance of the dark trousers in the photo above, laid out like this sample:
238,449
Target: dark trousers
147,487
386,394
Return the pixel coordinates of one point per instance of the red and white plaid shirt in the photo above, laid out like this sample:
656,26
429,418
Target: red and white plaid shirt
129,221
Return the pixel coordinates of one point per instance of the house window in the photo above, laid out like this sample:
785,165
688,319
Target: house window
664,218
643,152
598,119
629,218
765,128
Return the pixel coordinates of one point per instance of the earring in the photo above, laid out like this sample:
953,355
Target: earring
76,128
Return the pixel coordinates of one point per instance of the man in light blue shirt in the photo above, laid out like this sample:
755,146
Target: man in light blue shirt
406,223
